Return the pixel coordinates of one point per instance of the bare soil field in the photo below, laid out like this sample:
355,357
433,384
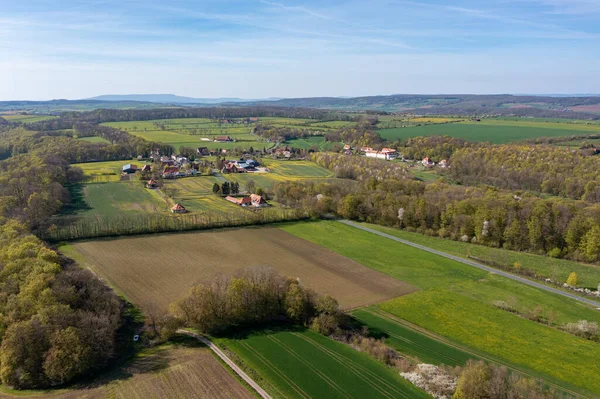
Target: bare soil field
171,372
161,268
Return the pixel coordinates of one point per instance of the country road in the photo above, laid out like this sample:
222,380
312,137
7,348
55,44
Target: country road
229,362
475,264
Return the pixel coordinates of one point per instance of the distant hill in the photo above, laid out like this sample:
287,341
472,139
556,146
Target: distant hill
170,99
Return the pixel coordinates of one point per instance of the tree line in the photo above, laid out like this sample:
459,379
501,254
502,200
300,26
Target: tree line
514,220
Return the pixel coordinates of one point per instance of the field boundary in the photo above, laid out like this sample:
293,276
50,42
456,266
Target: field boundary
474,264
229,362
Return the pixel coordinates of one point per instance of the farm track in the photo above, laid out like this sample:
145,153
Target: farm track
475,264
229,362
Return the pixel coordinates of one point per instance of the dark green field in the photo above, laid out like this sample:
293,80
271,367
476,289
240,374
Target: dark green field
305,364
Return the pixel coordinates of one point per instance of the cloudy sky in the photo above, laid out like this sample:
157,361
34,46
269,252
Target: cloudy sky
297,48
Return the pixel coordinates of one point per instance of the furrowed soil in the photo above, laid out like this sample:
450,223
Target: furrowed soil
161,268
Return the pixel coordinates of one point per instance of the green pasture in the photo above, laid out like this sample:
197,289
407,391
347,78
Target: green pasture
491,130
557,269
308,143
465,296
561,356
305,364
18,118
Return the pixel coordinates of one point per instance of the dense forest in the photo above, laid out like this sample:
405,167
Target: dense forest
485,215
57,322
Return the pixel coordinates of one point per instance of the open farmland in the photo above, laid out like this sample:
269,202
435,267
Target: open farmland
168,371
161,268
458,303
19,118
304,364
94,139
557,269
493,130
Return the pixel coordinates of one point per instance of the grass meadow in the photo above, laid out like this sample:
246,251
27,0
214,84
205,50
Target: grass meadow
456,302
557,269
492,130
304,364
18,118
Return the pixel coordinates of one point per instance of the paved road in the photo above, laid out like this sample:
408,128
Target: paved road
229,362
477,265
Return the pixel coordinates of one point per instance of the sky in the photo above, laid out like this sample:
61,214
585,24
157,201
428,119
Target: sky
297,48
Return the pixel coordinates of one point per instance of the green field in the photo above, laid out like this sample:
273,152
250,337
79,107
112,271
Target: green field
558,269
94,139
190,132
17,118
304,364
492,130
464,296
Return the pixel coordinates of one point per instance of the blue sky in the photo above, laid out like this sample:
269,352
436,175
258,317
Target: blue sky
297,48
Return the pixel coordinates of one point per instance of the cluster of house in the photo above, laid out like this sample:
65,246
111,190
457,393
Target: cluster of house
285,152
241,166
428,163
252,200
385,153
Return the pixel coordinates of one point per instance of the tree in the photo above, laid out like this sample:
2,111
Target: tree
225,188
235,188
572,280
250,186
216,188
472,383
67,357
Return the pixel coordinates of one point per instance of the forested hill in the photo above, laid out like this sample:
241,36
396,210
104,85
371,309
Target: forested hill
564,107
464,105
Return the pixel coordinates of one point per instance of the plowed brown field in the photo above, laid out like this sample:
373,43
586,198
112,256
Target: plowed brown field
162,268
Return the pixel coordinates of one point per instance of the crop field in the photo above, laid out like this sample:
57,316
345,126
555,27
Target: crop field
502,334
305,364
168,371
105,168
312,142
27,118
492,130
161,268
558,269
457,304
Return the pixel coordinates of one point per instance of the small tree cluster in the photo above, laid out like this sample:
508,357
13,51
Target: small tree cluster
254,296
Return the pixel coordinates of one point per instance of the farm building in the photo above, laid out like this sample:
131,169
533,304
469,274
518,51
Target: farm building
232,167
223,139
178,208
252,200
151,183
130,168
385,153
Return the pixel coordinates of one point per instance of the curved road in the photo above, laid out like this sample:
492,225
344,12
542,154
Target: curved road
477,265
229,362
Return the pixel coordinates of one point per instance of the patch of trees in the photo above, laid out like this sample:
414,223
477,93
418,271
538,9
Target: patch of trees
280,133
517,221
435,147
544,169
255,296
359,168
362,134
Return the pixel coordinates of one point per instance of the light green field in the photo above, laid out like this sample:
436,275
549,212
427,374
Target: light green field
304,364
94,139
27,118
308,143
492,130
107,167
559,269
465,297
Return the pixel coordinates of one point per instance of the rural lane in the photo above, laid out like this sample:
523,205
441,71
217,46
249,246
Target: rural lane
475,264
229,362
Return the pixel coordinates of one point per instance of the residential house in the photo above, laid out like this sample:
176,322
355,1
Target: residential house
178,208
427,162
170,172
347,147
151,184
146,168
243,201
258,201
385,153
253,200
130,168
232,167
253,120
443,163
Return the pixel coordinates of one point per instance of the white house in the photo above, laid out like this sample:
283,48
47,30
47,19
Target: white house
385,153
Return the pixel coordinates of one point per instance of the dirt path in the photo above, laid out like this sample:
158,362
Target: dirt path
229,362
